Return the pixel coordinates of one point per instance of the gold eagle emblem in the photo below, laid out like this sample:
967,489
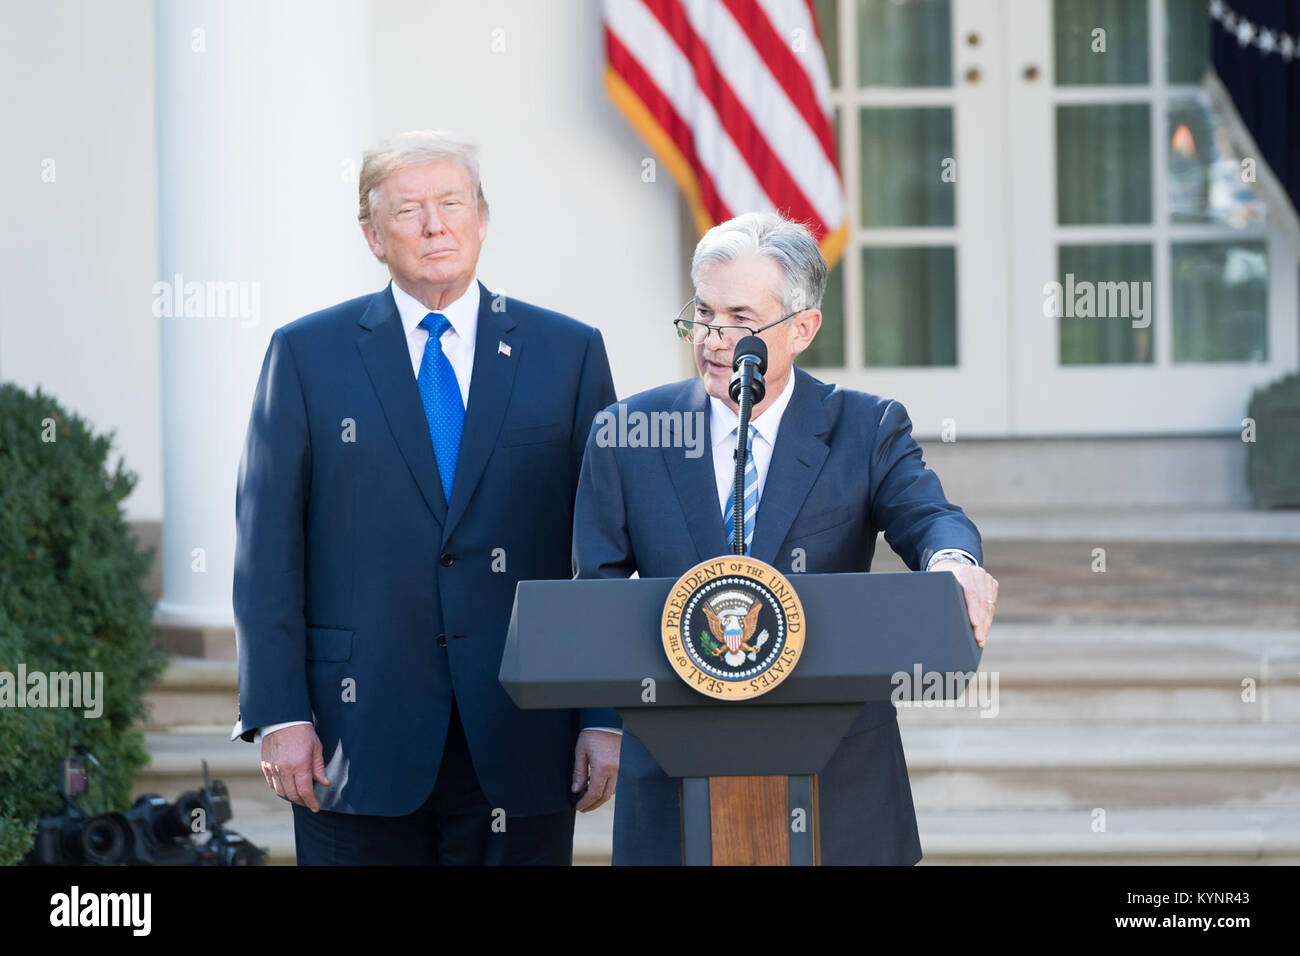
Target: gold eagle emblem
734,631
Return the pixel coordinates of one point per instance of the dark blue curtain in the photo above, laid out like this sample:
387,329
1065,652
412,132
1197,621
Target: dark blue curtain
1264,86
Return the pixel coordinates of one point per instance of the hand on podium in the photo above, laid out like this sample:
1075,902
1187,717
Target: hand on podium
981,591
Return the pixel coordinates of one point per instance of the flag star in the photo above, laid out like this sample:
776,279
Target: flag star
1267,42
1216,9
1245,32
1288,46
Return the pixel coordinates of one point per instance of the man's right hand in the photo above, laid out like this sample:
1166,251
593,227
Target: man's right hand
291,758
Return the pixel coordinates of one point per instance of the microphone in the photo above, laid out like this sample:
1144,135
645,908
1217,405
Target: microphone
748,363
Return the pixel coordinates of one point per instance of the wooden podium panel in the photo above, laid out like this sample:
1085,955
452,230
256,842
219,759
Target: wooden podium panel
751,820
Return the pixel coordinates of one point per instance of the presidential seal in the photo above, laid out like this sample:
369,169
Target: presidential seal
733,628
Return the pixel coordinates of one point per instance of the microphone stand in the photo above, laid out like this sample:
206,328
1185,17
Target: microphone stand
741,457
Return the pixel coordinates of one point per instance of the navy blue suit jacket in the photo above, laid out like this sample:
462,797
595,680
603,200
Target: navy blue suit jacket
845,467
363,599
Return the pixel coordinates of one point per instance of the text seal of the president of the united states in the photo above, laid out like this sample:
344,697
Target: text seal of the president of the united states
733,627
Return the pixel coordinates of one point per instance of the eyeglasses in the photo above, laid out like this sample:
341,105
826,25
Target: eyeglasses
693,332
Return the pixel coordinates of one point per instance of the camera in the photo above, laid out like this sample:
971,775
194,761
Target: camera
152,833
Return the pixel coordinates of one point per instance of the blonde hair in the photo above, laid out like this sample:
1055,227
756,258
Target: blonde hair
411,149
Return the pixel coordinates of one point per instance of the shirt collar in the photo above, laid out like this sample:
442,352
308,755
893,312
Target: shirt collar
462,314
723,422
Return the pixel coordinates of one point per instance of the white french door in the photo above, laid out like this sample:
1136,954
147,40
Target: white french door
917,308
1124,183
991,148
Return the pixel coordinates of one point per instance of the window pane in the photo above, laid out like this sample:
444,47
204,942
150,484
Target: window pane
1103,164
1187,36
827,350
828,25
1220,299
902,153
1085,57
909,301
1104,291
1207,182
907,43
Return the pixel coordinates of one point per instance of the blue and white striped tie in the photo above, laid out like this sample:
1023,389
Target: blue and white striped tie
751,499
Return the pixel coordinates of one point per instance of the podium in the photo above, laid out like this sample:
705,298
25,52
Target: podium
597,643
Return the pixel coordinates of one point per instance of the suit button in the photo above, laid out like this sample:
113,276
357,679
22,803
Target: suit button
442,640
446,560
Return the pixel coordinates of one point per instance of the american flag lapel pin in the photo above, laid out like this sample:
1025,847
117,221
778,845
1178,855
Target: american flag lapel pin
503,349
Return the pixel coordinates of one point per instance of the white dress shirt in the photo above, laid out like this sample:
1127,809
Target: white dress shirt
457,341
723,423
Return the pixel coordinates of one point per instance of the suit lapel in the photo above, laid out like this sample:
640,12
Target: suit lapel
694,479
490,385
387,359
797,460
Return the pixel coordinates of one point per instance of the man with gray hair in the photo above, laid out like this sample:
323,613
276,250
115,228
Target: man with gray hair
830,468
411,455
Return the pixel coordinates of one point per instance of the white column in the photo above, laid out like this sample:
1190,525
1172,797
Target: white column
263,111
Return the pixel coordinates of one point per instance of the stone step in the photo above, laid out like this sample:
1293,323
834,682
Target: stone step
1066,673
1167,836
264,818
1182,836
1231,583
194,692
1010,766
976,766
1151,674
271,829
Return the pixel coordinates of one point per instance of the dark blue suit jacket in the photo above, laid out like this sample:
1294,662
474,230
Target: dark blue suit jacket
363,599
845,467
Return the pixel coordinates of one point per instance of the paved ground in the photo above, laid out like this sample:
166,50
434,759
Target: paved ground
1236,584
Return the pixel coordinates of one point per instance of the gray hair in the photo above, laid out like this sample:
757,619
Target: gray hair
789,244
412,149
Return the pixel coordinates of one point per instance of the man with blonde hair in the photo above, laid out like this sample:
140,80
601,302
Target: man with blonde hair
411,455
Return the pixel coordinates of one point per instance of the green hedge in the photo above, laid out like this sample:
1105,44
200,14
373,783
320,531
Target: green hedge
71,599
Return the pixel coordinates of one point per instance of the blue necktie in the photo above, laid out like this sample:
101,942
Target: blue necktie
440,393
751,499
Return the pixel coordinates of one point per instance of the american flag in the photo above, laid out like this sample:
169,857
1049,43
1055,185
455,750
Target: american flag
733,97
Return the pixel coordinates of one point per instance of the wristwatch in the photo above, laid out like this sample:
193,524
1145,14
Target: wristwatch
955,553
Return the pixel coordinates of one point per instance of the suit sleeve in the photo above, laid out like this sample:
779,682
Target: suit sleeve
270,584
907,500
602,546
595,391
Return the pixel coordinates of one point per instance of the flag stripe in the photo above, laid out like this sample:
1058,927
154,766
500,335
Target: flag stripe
787,17
786,68
671,72
777,122
740,117
774,179
678,133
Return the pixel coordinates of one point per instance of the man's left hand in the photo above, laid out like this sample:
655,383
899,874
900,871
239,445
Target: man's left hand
981,590
595,767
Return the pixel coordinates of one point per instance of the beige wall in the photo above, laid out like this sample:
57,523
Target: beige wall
574,227
78,255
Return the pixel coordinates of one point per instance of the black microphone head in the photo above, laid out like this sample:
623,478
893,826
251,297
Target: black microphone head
750,345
